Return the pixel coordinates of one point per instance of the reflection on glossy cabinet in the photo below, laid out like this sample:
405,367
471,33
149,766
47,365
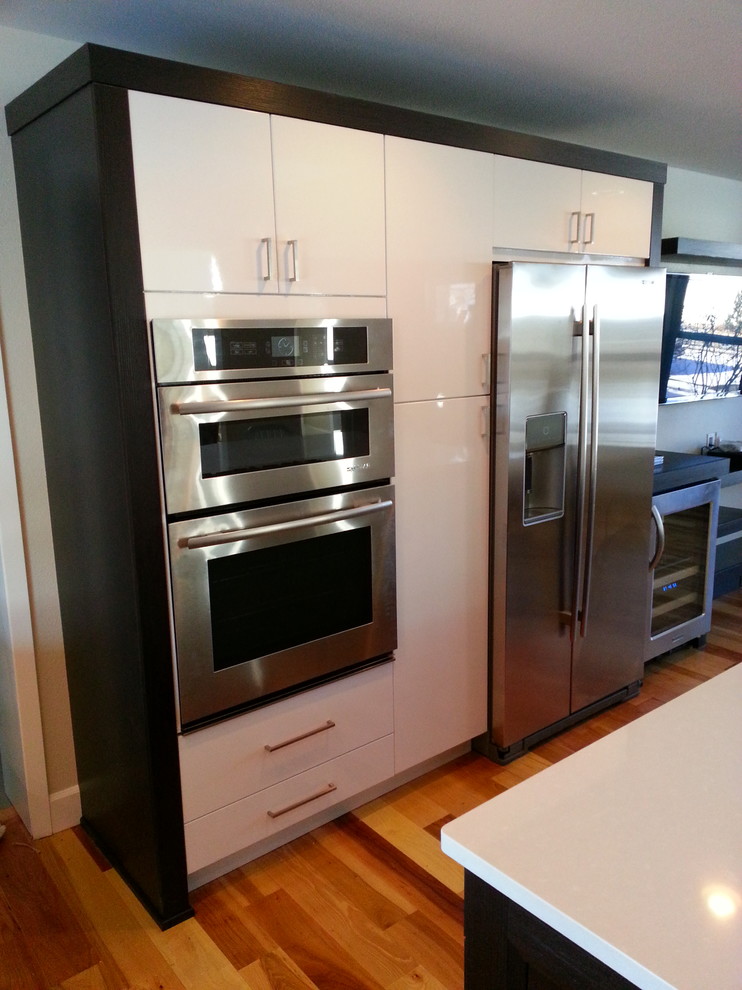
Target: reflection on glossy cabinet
440,672
543,207
439,244
231,200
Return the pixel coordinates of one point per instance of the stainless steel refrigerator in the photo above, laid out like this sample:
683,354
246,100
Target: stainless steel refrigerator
574,423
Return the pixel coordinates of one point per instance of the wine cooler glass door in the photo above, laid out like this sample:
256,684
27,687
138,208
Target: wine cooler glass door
683,565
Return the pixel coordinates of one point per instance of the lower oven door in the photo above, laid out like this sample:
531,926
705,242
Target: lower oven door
270,600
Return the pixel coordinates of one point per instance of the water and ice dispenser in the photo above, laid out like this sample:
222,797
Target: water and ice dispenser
544,466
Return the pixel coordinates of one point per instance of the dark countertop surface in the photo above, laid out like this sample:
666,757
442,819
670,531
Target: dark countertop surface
678,470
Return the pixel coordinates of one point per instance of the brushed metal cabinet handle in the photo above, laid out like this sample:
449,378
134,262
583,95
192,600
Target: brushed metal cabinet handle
574,227
327,789
588,222
294,276
268,242
329,724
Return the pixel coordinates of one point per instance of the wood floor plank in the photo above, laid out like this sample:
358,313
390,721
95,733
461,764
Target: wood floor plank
195,960
373,948
310,946
112,976
434,898
221,910
42,921
418,979
444,957
364,902
90,979
276,971
419,846
133,952
381,911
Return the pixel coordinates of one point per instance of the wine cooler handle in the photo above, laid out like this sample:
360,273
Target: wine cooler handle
660,549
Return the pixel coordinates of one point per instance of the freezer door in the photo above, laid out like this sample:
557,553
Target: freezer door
536,408
624,306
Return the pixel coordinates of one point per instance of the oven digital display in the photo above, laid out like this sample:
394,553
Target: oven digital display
255,348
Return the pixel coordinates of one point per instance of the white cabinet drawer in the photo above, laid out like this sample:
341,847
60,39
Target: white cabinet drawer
269,812
226,762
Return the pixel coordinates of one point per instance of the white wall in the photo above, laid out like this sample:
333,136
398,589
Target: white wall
702,206
697,206
33,685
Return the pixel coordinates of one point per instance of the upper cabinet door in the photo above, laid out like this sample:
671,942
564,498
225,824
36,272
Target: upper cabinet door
204,189
211,219
542,207
439,244
536,205
616,215
329,193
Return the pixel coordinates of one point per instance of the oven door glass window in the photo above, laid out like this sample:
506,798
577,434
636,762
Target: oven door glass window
279,597
241,445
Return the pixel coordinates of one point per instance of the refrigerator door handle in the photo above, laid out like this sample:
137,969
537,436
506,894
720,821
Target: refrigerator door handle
594,424
581,331
660,548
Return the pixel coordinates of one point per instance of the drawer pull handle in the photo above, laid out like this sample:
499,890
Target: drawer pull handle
327,789
329,724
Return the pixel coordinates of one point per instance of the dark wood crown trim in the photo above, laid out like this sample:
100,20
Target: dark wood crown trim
98,63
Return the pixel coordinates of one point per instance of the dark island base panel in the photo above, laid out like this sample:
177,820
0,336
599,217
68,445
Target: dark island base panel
507,948
165,921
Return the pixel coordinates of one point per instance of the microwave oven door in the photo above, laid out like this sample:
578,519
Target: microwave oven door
223,444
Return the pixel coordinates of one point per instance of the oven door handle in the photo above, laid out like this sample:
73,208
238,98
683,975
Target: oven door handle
235,535
278,402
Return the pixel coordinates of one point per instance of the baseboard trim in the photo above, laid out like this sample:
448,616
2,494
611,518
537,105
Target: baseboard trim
66,809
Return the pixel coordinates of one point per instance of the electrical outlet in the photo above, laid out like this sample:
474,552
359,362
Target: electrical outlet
709,439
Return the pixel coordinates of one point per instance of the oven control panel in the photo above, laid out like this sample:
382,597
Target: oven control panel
215,350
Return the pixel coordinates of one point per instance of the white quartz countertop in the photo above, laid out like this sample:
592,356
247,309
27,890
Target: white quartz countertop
632,847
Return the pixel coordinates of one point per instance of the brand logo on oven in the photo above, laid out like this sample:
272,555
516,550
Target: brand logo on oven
358,467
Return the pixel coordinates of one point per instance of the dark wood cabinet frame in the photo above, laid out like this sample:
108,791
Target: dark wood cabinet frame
508,948
75,181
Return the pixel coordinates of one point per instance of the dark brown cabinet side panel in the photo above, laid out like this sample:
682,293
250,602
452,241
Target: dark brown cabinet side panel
78,219
507,948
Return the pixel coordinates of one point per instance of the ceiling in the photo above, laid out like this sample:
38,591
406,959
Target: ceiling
660,79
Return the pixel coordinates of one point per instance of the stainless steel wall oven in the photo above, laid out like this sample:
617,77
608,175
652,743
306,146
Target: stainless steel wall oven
278,452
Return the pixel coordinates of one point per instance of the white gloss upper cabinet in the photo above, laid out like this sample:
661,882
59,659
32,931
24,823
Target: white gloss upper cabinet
231,200
441,485
329,184
439,249
542,207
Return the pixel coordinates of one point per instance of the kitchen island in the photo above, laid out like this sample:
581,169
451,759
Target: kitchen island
621,865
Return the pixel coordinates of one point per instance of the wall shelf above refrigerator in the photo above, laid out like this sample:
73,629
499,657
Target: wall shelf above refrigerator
689,250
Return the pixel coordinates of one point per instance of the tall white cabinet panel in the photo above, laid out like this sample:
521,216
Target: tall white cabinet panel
440,671
542,207
329,184
439,245
235,201
204,187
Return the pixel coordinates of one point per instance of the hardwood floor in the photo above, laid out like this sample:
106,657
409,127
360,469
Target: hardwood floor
365,902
